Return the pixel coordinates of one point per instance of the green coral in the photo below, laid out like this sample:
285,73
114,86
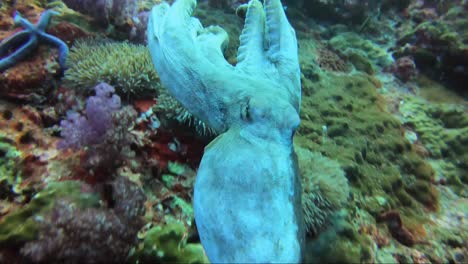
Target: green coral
363,53
70,16
23,224
125,66
168,244
185,208
324,188
443,129
10,175
145,5
340,244
438,32
344,117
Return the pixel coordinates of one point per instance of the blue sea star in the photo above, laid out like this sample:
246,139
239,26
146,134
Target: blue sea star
27,40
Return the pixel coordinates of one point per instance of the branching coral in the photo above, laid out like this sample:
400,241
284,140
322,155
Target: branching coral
93,61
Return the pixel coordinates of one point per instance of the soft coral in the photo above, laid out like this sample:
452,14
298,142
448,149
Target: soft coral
79,130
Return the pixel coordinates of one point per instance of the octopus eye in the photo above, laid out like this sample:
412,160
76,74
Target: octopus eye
245,111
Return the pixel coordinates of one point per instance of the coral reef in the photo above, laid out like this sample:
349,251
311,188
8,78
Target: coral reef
105,131
92,61
339,11
329,60
364,54
11,175
81,235
26,81
383,119
324,189
89,235
168,243
22,225
227,4
442,128
28,149
80,131
396,227
437,43
109,14
404,68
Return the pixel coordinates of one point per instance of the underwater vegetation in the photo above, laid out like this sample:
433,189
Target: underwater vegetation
99,160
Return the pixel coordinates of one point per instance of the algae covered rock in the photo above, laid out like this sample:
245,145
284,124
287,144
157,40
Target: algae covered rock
21,226
443,129
354,12
324,189
339,244
439,46
167,243
344,117
10,175
363,53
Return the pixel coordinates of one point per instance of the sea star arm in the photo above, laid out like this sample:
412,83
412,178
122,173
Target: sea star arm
19,54
62,47
13,41
20,21
45,19
30,36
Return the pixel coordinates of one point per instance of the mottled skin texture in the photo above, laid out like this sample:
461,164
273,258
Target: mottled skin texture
247,193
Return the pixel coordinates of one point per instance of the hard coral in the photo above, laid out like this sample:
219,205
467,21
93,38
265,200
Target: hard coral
118,17
404,68
396,228
438,46
349,11
22,132
106,12
88,235
168,244
330,61
26,81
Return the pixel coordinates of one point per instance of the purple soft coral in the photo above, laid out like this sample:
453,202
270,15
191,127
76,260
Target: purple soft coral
78,130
